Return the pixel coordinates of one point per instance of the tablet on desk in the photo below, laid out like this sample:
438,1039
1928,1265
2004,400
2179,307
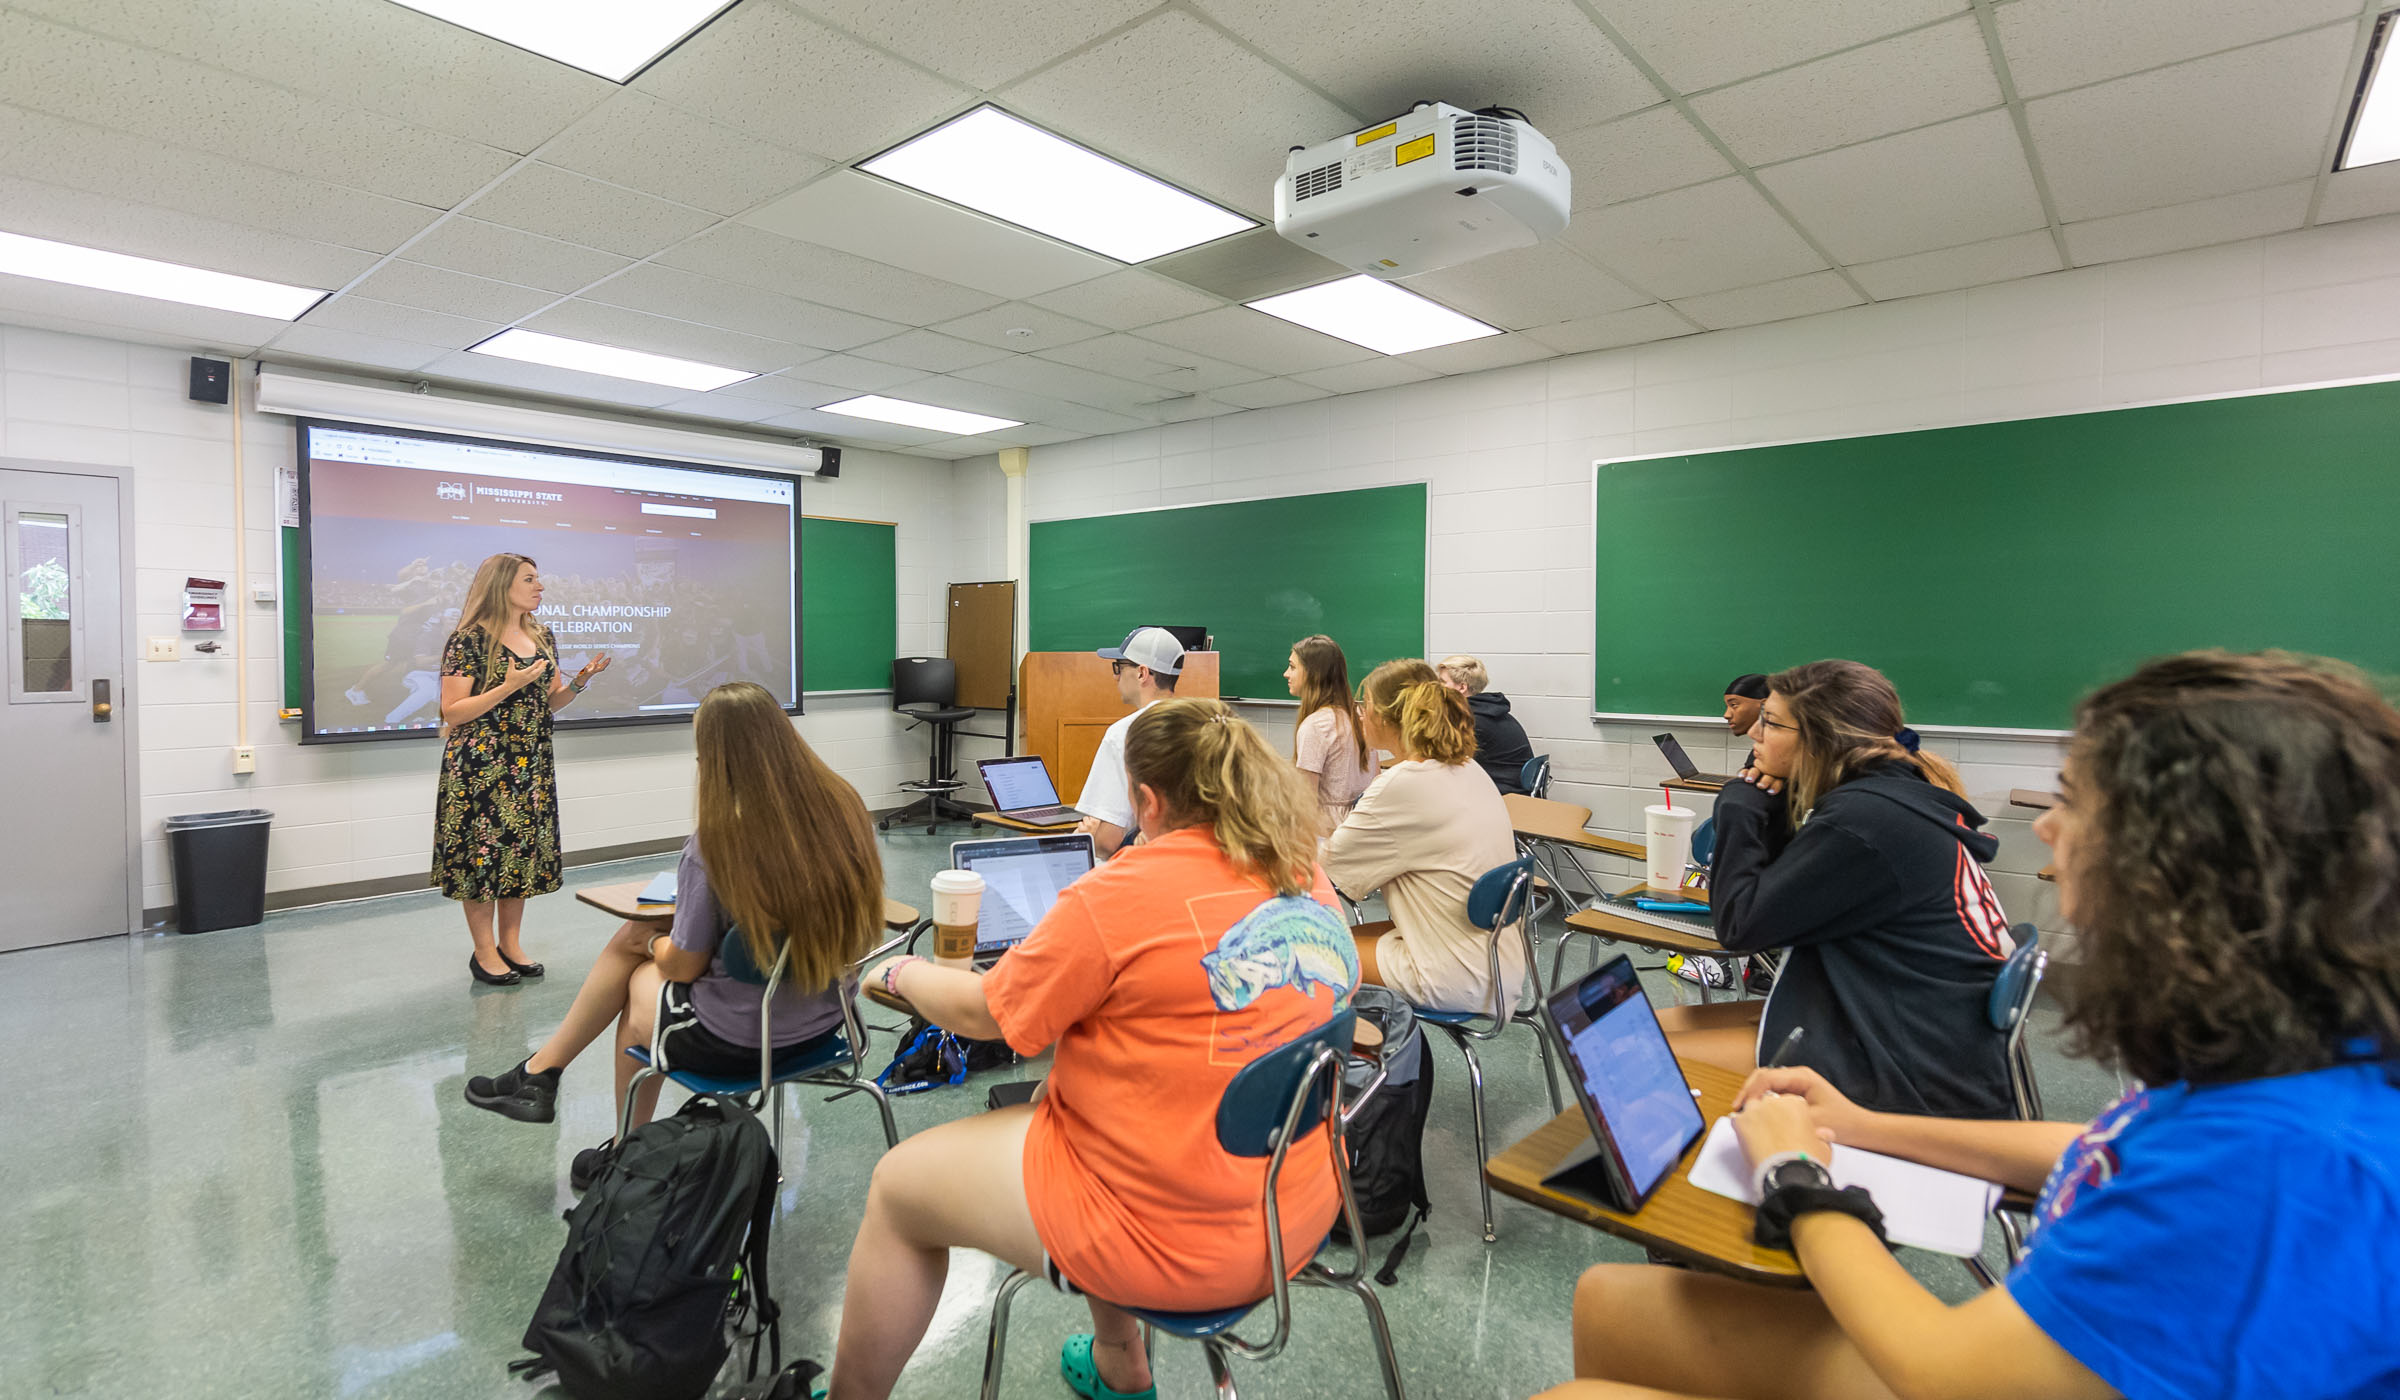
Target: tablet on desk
1624,1075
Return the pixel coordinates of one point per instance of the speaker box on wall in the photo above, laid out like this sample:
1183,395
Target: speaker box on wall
832,466
212,380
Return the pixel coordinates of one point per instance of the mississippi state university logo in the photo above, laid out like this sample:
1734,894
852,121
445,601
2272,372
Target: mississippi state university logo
451,490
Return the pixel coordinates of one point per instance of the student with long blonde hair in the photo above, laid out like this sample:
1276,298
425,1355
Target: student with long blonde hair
1158,977
1426,829
783,854
1327,743
495,815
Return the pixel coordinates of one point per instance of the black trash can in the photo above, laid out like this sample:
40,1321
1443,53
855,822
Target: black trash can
220,861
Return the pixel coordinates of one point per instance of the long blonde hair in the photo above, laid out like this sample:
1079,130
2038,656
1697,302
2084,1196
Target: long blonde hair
1432,720
787,844
1325,685
1848,716
486,611
1210,768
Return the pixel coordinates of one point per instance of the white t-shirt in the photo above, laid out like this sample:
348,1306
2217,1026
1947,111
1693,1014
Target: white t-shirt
1104,795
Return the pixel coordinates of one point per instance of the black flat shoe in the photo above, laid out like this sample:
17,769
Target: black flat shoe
589,1163
521,969
492,979
517,1093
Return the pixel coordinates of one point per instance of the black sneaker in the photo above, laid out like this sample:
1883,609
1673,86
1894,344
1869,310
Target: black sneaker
589,1163
517,1093
1758,976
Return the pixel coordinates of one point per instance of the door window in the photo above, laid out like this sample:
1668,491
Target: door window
42,602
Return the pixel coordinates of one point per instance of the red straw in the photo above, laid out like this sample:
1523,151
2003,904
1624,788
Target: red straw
1669,794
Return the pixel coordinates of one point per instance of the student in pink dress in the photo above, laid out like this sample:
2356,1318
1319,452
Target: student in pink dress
1328,743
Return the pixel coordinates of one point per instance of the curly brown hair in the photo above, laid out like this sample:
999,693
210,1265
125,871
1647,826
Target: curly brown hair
2237,876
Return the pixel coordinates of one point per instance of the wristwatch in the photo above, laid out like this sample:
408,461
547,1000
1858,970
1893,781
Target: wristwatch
1789,1169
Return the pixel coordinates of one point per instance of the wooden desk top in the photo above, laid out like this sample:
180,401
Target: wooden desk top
2032,797
1546,820
1012,824
622,901
2047,872
1701,1228
1610,925
1694,785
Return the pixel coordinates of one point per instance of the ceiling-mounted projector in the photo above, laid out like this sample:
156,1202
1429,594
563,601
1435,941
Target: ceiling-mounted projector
1435,188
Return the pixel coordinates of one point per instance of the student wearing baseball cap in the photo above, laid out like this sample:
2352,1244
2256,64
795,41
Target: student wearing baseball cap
1146,664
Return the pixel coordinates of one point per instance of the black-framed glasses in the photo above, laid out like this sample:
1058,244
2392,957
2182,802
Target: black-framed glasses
1117,667
1772,724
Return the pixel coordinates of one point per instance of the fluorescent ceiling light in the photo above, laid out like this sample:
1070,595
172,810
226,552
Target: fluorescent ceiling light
2374,135
146,277
1375,314
541,349
613,38
953,421
989,161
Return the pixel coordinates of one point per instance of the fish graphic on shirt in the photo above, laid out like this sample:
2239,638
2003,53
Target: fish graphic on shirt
1289,941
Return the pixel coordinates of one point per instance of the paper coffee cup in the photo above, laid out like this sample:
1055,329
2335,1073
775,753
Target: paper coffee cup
1668,833
957,899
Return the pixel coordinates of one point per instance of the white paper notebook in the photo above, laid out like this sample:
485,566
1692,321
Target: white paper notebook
1922,1206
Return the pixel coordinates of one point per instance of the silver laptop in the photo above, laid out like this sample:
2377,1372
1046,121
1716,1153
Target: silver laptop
1682,763
1022,877
1022,791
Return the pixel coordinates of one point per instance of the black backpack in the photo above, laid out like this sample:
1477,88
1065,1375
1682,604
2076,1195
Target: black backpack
1387,1138
665,1265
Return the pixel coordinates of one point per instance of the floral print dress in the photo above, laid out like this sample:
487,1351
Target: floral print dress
495,820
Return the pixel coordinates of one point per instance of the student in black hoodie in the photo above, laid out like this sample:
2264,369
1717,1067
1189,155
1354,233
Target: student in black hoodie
1868,866
1501,747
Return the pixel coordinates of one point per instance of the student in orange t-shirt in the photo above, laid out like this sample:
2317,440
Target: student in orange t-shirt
1158,976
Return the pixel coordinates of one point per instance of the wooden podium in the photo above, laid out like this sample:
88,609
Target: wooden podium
1069,700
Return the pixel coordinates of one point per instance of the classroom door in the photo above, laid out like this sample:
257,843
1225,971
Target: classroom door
64,856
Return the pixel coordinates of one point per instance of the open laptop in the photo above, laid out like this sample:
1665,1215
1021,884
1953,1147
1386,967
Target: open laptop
1682,763
1022,877
1642,1114
1022,791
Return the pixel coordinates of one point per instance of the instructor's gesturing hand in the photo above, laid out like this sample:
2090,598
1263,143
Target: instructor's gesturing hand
520,677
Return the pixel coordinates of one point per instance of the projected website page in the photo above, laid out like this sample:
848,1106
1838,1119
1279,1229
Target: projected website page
683,577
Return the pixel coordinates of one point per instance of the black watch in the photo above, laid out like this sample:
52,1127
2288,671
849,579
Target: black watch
1800,1171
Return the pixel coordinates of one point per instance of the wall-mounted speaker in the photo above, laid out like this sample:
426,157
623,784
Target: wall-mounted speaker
212,380
833,463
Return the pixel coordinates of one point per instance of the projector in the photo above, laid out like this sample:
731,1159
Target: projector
1432,189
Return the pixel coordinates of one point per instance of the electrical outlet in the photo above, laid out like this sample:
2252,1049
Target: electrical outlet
245,759
162,649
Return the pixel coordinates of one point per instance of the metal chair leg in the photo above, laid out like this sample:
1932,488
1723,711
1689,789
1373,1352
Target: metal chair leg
633,1090
1549,1071
1385,1356
1220,1369
1475,1100
995,1343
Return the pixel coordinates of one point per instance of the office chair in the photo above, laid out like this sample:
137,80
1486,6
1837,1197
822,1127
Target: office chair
925,688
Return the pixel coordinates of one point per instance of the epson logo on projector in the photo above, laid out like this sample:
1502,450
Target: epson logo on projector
451,490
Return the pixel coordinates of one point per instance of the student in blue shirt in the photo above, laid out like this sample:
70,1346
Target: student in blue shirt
2228,845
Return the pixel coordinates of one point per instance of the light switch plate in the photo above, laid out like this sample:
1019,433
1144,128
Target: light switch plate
163,649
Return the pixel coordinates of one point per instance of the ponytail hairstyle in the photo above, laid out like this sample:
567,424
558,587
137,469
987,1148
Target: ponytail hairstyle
1212,769
1325,685
1432,720
1848,716
486,610
789,851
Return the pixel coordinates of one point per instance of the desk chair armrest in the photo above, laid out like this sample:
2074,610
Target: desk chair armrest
1383,1071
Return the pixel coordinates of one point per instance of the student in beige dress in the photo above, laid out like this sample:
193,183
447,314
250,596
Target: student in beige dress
1327,743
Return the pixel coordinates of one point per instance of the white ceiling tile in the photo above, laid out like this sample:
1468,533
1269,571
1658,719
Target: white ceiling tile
1127,298
1697,44
1366,374
2239,121
1491,352
548,379
726,407
1935,187
1019,327
786,391
1644,154
1130,357
930,351
1239,335
506,254
1183,102
877,219
392,321
982,45
86,77
344,347
669,291
737,252
638,141
1702,239
1270,393
842,425
976,395
126,226
1657,321
785,78
38,146
1525,287
2194,225
852,375
1035,375
1380,57
1970,265
385,58
2054,44
628,329
439,289
1775,301
562,204
2355,194
27,301
1907,81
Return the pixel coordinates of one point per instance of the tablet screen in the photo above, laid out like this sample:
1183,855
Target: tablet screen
1627,1072
1022,880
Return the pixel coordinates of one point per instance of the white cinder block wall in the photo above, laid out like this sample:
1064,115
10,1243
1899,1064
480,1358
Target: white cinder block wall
350,812
1509,453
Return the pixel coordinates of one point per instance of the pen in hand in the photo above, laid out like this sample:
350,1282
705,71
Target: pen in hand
1783,1052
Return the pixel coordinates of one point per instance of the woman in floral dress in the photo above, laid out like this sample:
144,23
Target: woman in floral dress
495,820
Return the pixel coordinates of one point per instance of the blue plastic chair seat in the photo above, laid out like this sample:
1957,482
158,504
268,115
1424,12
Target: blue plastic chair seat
1192,1326
787,1066
1444,1018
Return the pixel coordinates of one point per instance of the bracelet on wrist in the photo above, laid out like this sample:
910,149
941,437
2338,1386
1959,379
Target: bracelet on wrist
891,971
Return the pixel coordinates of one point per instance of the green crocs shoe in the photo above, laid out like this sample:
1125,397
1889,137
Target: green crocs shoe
1083,1377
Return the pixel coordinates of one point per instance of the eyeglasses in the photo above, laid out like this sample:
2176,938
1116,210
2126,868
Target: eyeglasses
1117,668
1771,724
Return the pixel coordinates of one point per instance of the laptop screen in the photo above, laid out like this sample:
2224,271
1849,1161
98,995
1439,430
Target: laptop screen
1018,783
1627,1072
1677,759
1022,878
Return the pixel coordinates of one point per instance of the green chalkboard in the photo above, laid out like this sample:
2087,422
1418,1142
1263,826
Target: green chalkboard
849,604
1998,572
1259,574
295,611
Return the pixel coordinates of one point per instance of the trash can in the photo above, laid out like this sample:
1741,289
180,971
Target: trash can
220,861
